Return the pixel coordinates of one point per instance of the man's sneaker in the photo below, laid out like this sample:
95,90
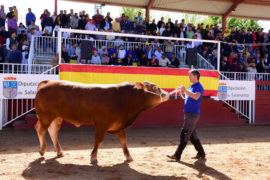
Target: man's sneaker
173,157
198,156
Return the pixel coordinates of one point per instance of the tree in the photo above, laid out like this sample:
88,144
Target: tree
236,22
133,12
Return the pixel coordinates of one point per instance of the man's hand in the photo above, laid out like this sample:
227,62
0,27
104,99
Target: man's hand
183,89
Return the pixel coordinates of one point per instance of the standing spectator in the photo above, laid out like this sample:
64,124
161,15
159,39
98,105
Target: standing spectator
57,25
153,26
164,61
139,51
139,17
48,23
16,13
169,46
116,26
90,26
162,29
64,19
109,17
32,26
2,16
10,17
225,65
160,22
54,16
74,21
42,18
30,17
189,33
98,18
82,22
12,24
106,24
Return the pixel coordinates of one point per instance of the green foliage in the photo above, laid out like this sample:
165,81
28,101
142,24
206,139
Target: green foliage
133,12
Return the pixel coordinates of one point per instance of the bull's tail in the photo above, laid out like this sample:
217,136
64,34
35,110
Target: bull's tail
42,83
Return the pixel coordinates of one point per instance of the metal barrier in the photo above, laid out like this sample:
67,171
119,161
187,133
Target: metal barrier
9,68
13,109
246,76
46,47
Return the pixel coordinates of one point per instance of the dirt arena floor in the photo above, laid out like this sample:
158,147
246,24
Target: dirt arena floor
241,152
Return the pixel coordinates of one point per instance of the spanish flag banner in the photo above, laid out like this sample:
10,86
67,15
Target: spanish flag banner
166,78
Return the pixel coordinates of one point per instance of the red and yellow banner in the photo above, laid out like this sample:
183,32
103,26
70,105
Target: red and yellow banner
165,78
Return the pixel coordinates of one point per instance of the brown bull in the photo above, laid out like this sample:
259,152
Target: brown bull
109,108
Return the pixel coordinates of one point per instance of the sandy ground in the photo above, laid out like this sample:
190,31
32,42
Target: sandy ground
232,153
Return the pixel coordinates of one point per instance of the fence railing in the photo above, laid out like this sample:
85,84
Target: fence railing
13,109
203,63
26,68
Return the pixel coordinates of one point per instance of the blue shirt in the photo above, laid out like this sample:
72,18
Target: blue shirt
30,17
191,105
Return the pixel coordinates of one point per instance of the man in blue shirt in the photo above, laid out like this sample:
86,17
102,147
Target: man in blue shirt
30,17
191,116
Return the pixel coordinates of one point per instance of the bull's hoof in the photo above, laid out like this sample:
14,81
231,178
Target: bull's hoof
61,154
41,153
129,159
94,161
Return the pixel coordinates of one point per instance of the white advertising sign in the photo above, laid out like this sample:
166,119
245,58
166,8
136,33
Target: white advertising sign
21,86
236,90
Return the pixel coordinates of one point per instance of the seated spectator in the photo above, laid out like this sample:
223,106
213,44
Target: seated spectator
154,62
225,65
114,60
32,26
158,53
174,61
37,31
22,36
149,51
102,51
164,61
105,59
235,67
139,51
121,52
111,50
131,52
143,61
72,51
127,61
95,58
21,28
118,42
65,55
15,55
169,47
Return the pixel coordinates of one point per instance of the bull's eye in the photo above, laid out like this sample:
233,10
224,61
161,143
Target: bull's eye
155,88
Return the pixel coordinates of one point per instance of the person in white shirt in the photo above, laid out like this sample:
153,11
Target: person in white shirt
121,52
95,58
158,53
164,61
24,56
90,26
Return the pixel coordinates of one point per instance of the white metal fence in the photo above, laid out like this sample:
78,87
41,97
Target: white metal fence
46,47
9,68
13,109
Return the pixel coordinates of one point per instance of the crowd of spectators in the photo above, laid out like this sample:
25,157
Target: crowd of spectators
242,50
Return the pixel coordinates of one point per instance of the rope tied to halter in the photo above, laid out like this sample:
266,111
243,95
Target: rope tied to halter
178,91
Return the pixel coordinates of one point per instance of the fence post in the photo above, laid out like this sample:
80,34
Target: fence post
1,114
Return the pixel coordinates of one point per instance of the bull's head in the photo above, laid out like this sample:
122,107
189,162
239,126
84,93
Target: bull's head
154,89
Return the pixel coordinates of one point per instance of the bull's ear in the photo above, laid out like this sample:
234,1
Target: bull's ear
139,85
